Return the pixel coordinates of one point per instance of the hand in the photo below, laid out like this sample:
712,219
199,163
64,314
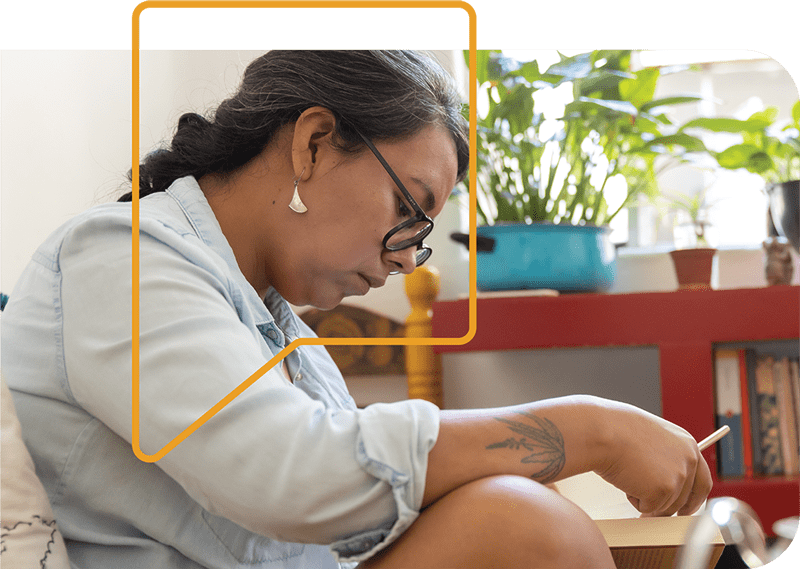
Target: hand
655,462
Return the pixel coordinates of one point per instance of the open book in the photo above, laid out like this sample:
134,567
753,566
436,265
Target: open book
636,543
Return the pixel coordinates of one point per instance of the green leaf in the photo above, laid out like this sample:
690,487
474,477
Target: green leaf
495,66
760,162
737,156
528,71
619,59
640,89
586,103
481,72
768,115
715,124
665,101
796,114
645,123
690,143
483,62
516,108
601,83
572,68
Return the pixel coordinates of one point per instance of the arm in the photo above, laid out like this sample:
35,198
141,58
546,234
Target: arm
655,462
274,460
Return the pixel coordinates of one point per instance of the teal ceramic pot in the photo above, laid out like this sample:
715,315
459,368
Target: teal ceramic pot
566,258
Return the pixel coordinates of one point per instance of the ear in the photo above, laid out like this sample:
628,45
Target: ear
311,141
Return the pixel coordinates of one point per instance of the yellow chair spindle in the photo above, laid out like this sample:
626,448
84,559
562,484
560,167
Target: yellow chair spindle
423,366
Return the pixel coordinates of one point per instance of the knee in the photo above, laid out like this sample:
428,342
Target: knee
503,521
521,521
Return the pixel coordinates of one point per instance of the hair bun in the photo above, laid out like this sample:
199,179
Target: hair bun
192,120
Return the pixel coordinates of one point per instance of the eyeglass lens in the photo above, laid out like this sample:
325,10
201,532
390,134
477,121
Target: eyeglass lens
409,236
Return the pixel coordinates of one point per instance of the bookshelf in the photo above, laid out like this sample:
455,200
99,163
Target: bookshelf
685,326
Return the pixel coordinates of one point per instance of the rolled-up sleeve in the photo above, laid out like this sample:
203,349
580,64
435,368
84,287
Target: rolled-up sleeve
274,461
392,445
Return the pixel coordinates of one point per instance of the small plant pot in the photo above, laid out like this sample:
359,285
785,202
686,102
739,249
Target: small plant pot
694,268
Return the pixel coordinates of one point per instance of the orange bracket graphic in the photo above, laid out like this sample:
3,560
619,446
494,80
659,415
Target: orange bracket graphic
135,442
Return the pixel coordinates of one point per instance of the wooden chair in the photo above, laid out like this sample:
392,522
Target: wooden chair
371,367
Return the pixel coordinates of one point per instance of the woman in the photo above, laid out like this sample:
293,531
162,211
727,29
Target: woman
317,180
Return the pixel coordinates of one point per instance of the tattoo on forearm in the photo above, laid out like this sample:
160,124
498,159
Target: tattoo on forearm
542,438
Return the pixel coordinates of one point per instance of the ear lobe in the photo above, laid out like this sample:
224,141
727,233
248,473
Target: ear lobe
311,140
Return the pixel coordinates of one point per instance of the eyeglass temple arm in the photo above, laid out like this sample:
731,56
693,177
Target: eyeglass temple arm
388,168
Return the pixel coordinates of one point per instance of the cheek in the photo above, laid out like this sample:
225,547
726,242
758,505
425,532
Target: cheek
365,226
343,246
350,226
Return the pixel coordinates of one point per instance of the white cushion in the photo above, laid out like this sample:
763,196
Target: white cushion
29,534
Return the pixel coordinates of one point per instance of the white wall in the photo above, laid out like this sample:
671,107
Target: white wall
65,143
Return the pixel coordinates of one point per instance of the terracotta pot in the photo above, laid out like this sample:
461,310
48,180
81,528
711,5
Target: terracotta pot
693,267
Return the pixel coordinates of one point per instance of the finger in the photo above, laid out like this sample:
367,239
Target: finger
685,492
657,500
670,491
670,497
700,489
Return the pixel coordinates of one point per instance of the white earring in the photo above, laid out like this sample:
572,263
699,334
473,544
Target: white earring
297,204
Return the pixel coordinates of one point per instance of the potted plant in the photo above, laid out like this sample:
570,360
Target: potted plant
769,150
543,180
693,258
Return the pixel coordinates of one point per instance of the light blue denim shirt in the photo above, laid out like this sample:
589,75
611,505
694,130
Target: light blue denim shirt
289,474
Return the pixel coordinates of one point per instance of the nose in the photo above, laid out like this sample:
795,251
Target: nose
403,261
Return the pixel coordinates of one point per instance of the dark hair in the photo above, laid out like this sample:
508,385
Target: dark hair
385,95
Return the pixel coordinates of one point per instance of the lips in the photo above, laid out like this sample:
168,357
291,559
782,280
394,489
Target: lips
374,282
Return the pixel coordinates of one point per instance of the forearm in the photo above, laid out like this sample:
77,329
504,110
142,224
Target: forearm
546,441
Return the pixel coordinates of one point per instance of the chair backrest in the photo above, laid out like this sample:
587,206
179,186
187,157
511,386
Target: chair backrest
420,366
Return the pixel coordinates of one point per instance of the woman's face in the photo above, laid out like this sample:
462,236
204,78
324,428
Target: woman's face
336,247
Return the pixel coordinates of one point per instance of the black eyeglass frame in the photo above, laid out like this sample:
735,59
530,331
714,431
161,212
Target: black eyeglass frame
423,251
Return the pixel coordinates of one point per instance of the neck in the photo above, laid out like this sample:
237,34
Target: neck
243,206
250,206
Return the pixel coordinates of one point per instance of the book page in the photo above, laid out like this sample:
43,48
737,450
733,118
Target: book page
596,497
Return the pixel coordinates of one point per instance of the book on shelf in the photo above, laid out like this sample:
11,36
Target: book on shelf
768,421
730,450
635,542
758,396
748,455
794,379
751,362
787,422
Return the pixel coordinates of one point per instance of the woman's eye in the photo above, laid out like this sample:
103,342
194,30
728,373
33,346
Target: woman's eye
402,208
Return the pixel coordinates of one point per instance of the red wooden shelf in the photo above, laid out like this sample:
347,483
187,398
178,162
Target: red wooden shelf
684,326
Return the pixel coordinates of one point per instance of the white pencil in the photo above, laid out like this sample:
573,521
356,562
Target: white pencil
713,437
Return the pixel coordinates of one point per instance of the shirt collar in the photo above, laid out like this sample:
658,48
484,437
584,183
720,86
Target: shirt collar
192,201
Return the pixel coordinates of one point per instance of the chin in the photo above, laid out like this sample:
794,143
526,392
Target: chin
327,302
324,297
325,305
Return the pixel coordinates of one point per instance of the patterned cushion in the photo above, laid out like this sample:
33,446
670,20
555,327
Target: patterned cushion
29,536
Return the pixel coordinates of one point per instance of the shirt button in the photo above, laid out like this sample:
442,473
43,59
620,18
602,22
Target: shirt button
299,376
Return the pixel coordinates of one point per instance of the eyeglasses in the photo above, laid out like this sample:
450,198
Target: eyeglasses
412,231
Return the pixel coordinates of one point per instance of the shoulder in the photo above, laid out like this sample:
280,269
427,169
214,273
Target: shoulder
159,224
